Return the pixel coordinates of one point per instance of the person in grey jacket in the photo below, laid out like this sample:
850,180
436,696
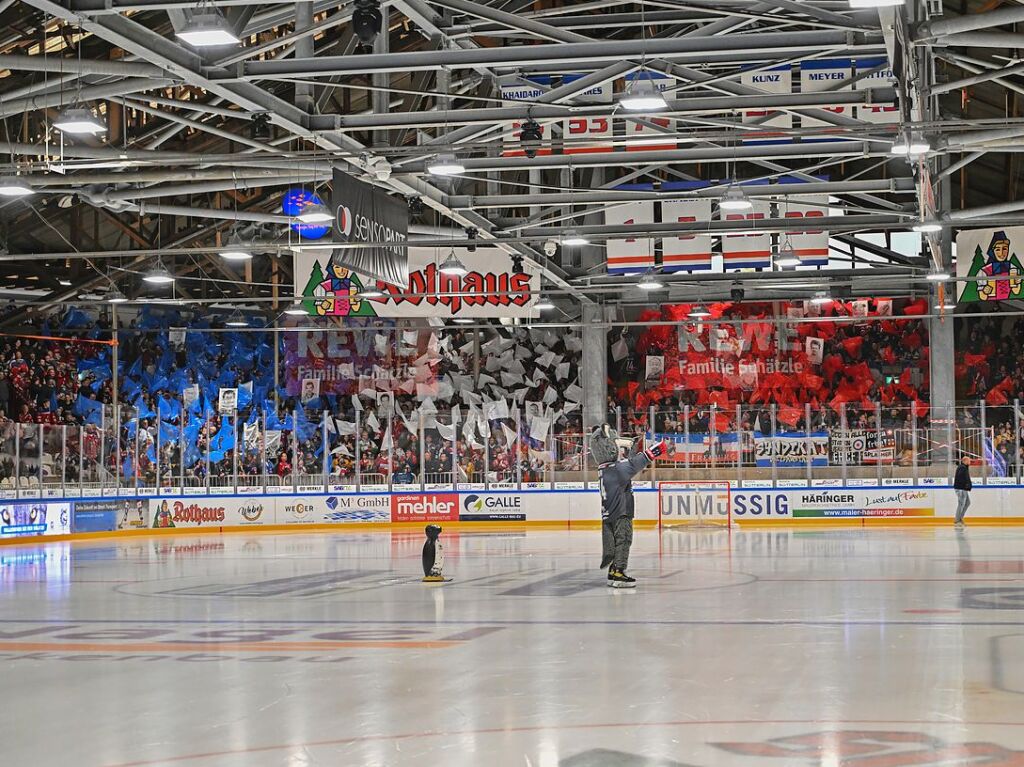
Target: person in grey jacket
962,486
615,477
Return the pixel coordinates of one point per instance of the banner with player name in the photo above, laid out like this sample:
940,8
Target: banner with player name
777,80
583,134
825,76
490,287
876,73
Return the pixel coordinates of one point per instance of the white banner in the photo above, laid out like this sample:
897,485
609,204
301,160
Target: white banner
810,245
778,80
821,75
634,255
876,113
490,288
748,251
584,134
517,89
688,252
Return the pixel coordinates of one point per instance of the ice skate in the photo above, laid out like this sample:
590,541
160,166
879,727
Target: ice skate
619,580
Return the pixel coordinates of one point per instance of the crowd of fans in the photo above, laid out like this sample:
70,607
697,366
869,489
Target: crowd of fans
873,371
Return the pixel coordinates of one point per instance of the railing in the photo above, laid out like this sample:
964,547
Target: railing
849,443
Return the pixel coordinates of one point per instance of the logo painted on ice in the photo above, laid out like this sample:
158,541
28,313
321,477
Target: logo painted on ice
877,747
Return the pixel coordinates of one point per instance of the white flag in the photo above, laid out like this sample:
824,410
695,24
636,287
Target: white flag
539,428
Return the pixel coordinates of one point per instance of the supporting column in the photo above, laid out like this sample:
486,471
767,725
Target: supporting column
942,386
594,370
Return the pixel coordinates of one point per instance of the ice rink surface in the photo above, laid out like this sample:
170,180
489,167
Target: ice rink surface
840,648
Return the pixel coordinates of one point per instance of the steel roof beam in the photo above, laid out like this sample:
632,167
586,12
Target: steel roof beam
828,149
735,48
692,105
585,197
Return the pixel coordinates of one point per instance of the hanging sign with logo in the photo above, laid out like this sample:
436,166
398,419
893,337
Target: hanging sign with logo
491,287
366,214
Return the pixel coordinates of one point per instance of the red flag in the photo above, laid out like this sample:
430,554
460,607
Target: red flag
790,415
920,306
996,397
852,345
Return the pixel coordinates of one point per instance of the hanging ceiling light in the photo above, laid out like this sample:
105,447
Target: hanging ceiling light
875,3
937,275
949,306
316,213
234,249
114,296
463,321
699,311
14,186
370,292
573,238
236,320
543,304
158,276
445,164
910,146
642,96
787,258
295,309
735,199
927,227
452,265
821,297
649,282
206,27
78,120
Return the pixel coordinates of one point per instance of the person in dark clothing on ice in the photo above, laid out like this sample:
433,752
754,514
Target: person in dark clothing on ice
962,485
615,477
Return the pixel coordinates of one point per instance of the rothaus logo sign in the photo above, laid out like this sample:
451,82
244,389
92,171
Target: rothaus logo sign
428,286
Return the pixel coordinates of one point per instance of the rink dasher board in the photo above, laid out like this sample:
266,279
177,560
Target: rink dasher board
819,503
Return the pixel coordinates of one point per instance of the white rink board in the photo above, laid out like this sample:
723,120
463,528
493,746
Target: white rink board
785,505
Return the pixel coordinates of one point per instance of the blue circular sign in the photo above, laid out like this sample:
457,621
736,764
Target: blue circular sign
294,200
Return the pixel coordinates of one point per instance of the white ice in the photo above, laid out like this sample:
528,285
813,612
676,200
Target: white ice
838,648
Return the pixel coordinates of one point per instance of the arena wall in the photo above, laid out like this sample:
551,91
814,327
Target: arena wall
31,519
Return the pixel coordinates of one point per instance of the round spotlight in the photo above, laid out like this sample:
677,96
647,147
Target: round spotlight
317,213
735,199
445,165
14,186
649,282
158,276
700,312
78,120
544,304
234,250
452,265
643,97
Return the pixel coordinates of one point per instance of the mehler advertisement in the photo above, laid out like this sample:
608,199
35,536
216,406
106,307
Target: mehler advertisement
490,287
